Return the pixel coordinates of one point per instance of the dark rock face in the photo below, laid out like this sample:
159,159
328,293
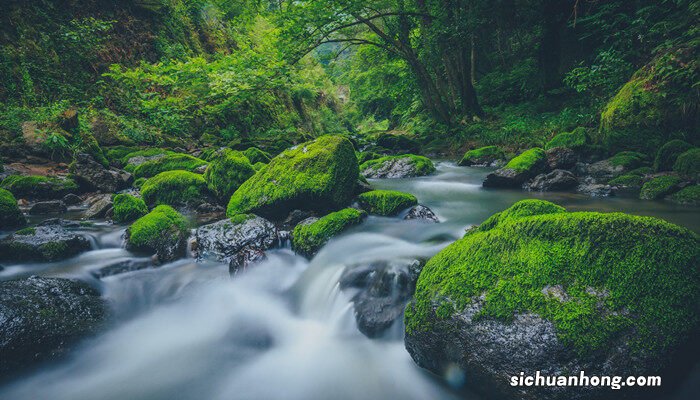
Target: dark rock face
49,241
238,243
508,178
43,318
556,180
122,267
561,158
596,189
398,144
294,218
383,289
394,168
71,199
48,207
99,206
603,171
423,213
91,175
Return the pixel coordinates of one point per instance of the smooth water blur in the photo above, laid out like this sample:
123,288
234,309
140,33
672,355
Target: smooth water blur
281,330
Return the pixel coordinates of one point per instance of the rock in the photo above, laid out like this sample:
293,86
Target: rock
38,187
71,199
168,162
421,212
561,158
689,195
669,153
47,242
574,140
386,202
515,295
127,208
660,187
688,164
163,231
319,175
238,241
596,189
605,170
391,167
311,235
483,157
398,144
48,207
383,289
294,218
245,258
518,170
10,215
91,175
122,267
43,318
227,171
99,205
255,155
177,189
556,180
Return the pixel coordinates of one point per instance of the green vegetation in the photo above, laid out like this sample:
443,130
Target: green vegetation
660,187
386,202
175,188
420,165
226,172
152,152
668,154
255,155
155,229
128,208
687,164
10,215
630,180
38,187
483,155
169,162
527,160
307,239
689,195
575,139
317,175
623,276
627,159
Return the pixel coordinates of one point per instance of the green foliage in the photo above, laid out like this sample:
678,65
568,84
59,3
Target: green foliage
575,139
307,239
226,172
421,165
624,276
660,187
128,208
526,160
175,188
10,215
689,195
138,183
38,187
153,229
601,79
386,202
169,162
668,153
688,163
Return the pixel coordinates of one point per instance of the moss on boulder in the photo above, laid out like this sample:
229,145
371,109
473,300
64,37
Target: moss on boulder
688,164
175,188
143,154
627,180
518,170
127,208
308,238
689,195
226,172
668,154
404,166
317,175
255,155
10,215
386,202
660,187
163,231
38,187
170,162
575,139
483,156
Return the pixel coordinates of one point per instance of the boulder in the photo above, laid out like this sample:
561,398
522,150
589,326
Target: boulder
397,144
608,169
660,187
50,241
405,166
483,157
386,202
99,205
596,189
48,207
561,158
421,213
312,234
127,208
71,199
669,153
42,319
162,232
91,175
177,189
38,187
10,215
689,195
168,162
536,288
518,170
557,180
688,164
227,171
574,140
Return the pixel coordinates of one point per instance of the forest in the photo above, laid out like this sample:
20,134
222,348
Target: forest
312,199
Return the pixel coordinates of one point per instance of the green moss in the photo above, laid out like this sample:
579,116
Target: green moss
128,208
175,188
10,215
151,230
386,202
143,153
318,175
627,180
627,159
624,276
241,218
689,195
39,187
575,139
226,172
526,160
668,153
365,156
255,155
170,162
523,208
482,155
138,183
117,153
641,171
258,166
307,239
54,251
421,165
28,231
660,187
688,164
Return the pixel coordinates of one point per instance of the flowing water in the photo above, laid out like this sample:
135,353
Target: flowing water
281,330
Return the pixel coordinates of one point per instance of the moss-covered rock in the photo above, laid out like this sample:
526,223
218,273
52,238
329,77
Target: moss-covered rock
660,187
317,175
365,156
607,293
688,164
127,208
10,215
142,155
518,170
255,155
627,180
38,187
668,153
628,159
689,195
386,202
405,166
397,143
483,156
175,188
575,139
47,242
226,172
138,183
308,238
258,166
170,162
163,231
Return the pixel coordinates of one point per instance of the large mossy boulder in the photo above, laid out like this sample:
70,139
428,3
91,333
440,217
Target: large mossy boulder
687,164
227,172
483,156
255,155
10,215
537,288
317,175
169,162
519,170
669,153
162,232
386,202
310,236
127,208
38,187
42,319
52,240
391,167
660,187
175,188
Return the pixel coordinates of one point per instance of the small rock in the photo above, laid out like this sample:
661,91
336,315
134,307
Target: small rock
122,267
561,158
596,189
421,212
556,180
99,205
72,199
294,218
48,207
48,241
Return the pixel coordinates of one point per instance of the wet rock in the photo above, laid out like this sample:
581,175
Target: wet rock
294,218
122,267
596,189
48,207
239,242
393,167
43,318
44,243
91,175
518,170
163,232
561,158
99,206
421,212
71,199
557,180
603,171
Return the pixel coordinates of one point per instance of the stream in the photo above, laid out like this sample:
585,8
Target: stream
283,329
